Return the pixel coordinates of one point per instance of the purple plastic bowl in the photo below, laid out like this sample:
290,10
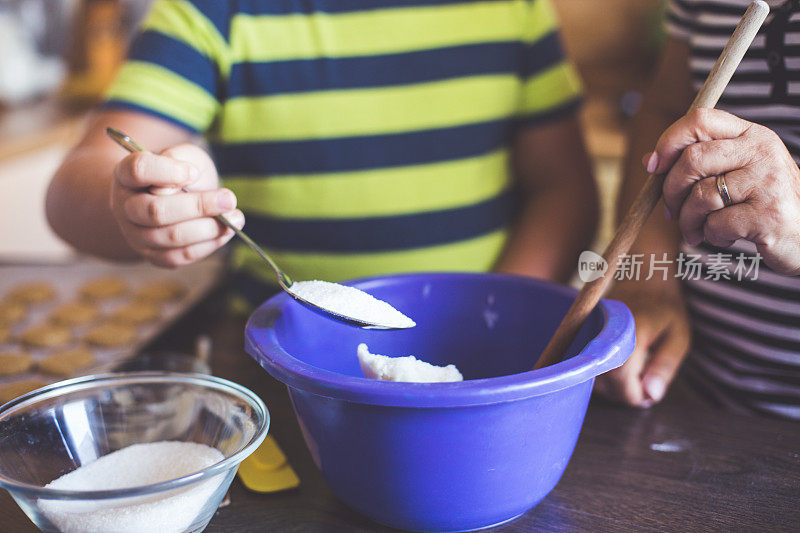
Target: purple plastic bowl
442,456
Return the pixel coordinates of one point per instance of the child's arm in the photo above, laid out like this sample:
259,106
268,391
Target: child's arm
559,209
100,201
662,325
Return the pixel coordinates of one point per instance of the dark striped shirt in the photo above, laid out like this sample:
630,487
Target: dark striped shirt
746,344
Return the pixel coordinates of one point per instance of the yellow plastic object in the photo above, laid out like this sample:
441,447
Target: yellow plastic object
267,470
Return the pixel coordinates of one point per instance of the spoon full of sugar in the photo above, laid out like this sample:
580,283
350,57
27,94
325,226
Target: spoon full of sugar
339,302
349,304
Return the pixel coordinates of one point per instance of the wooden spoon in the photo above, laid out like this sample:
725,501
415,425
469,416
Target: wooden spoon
632,224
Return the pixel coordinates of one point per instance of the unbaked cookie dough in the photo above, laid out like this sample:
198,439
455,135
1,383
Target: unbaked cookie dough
66,362
46,336
103,288
35,292
11,313
14,362
74,314
161,291
9,391
136,313
111,334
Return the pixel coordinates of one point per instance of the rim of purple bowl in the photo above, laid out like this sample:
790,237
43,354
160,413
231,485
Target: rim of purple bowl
609,349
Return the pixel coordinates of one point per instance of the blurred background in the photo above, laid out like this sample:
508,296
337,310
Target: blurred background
59,56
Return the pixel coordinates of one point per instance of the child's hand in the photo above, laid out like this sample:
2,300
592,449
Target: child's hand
663,336
169,227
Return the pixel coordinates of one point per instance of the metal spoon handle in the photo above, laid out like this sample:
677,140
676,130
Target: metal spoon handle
283,278
130,145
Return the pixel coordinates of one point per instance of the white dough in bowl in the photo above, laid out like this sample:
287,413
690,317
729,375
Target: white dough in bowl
407,368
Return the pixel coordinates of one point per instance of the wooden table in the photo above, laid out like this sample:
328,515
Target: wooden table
679,466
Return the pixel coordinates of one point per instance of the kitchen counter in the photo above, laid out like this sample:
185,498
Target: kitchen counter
680,466
38,125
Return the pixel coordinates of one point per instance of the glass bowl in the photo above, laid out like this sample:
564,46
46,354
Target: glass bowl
58,428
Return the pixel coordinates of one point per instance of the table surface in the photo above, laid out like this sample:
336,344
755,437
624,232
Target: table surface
39,124
676,467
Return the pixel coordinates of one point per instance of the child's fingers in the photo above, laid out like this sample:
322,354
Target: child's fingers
144,169
152,210
659,335
177,257
194,155
664,362
183,233
623,384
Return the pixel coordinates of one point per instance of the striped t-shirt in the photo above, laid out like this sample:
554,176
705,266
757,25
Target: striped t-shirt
746,345
361,137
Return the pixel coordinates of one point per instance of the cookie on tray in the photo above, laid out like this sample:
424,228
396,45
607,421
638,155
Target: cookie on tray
15,362
74,314
9,391
110,335
12,312
66,362
103,288
136,313
5,334
165,290
46,336
34,292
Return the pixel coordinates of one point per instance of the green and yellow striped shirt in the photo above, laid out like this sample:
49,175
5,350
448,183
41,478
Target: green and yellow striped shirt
361,136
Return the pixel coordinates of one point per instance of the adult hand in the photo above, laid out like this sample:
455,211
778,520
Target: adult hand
763,182
662,340
169,227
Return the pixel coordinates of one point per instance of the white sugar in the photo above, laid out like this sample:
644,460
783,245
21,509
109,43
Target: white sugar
407,368
350,302
133,466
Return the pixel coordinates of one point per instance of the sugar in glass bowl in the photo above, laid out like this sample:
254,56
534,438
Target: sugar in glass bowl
54,430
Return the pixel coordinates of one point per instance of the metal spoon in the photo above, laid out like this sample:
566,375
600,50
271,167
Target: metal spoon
284,280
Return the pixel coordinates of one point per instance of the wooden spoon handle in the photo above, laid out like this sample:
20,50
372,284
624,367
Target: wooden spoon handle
648,198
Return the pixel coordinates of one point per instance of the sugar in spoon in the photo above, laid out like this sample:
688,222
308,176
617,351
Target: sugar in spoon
286,283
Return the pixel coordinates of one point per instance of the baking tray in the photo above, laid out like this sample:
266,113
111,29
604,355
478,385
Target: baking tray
198,279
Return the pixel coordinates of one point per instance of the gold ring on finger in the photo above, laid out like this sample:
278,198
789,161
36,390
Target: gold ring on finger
722,187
